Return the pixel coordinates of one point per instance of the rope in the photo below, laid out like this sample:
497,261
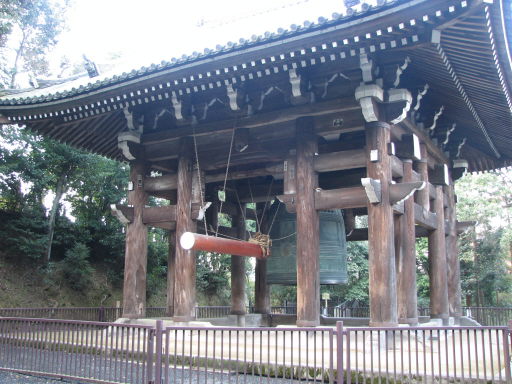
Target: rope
275,214
284,237
199,177
263,241
226,175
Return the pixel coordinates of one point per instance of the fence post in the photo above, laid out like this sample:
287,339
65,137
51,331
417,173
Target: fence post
149,357
101,315
158,359
339,351
506,351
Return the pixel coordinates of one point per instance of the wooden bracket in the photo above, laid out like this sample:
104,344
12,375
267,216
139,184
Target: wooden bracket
408,147
439,175
402,191
176,105
129,143
460,166
373,189
232,96
123,213
369,95
399,103
464,226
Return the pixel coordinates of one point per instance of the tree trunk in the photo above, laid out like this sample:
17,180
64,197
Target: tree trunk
59,191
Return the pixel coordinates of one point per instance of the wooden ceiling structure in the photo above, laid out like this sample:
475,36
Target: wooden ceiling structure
437,72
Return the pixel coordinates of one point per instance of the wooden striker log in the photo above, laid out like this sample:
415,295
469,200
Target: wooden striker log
197,242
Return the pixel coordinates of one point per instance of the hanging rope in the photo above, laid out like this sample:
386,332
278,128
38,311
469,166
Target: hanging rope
227,172
199,179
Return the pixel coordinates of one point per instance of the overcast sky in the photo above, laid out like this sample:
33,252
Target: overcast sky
145,32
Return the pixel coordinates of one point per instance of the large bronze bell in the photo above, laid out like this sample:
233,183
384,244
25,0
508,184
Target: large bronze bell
282,263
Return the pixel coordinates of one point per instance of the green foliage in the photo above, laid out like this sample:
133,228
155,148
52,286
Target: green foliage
76,267
27,30
213,276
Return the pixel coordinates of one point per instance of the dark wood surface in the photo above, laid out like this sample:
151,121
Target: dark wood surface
135,263
308,236
437,262
238,286
185,280
382,272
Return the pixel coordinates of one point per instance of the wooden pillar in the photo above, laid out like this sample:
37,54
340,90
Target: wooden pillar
407,299
261,288
185,279
452,257
382,273
238,293
136,252
171,271
422,196
308,271
437,262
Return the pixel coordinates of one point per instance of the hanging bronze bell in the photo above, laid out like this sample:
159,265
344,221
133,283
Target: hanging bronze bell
282,264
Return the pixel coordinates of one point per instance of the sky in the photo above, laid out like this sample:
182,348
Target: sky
146,32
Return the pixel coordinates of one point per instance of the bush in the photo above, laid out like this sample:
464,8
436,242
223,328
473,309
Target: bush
76,267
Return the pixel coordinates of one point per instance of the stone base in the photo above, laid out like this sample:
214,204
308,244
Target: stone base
413,321
308,323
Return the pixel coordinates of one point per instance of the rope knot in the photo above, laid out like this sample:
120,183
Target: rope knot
263,241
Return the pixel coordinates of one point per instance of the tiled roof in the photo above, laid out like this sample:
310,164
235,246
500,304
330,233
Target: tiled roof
85,84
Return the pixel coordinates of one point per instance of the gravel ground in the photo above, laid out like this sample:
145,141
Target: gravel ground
15,378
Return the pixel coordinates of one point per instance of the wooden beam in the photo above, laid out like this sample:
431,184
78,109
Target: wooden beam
161,214
439,175
123,213
402,191
261,288
238,287
463,226
425,219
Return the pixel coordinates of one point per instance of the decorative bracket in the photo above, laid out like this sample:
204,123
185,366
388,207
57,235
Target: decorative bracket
460,166
176,104
295,82
400,70
402,191
132,125
123,213
123,143
448,133
368,96
373,189
436,117
420,96
366,66
395,96
232,96
459,148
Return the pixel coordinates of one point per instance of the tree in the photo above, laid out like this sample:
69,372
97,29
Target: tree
28,28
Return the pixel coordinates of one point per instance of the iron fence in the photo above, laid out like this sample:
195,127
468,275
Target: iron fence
116,353
490,316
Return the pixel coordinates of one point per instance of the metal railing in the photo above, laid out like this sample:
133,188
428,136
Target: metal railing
491,316
115,353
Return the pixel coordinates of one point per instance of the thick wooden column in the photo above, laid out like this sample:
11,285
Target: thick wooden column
171,271
136,252
308,271
185,278
261,288
238,293
437,262
422,196
406,266
452,257
382,273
